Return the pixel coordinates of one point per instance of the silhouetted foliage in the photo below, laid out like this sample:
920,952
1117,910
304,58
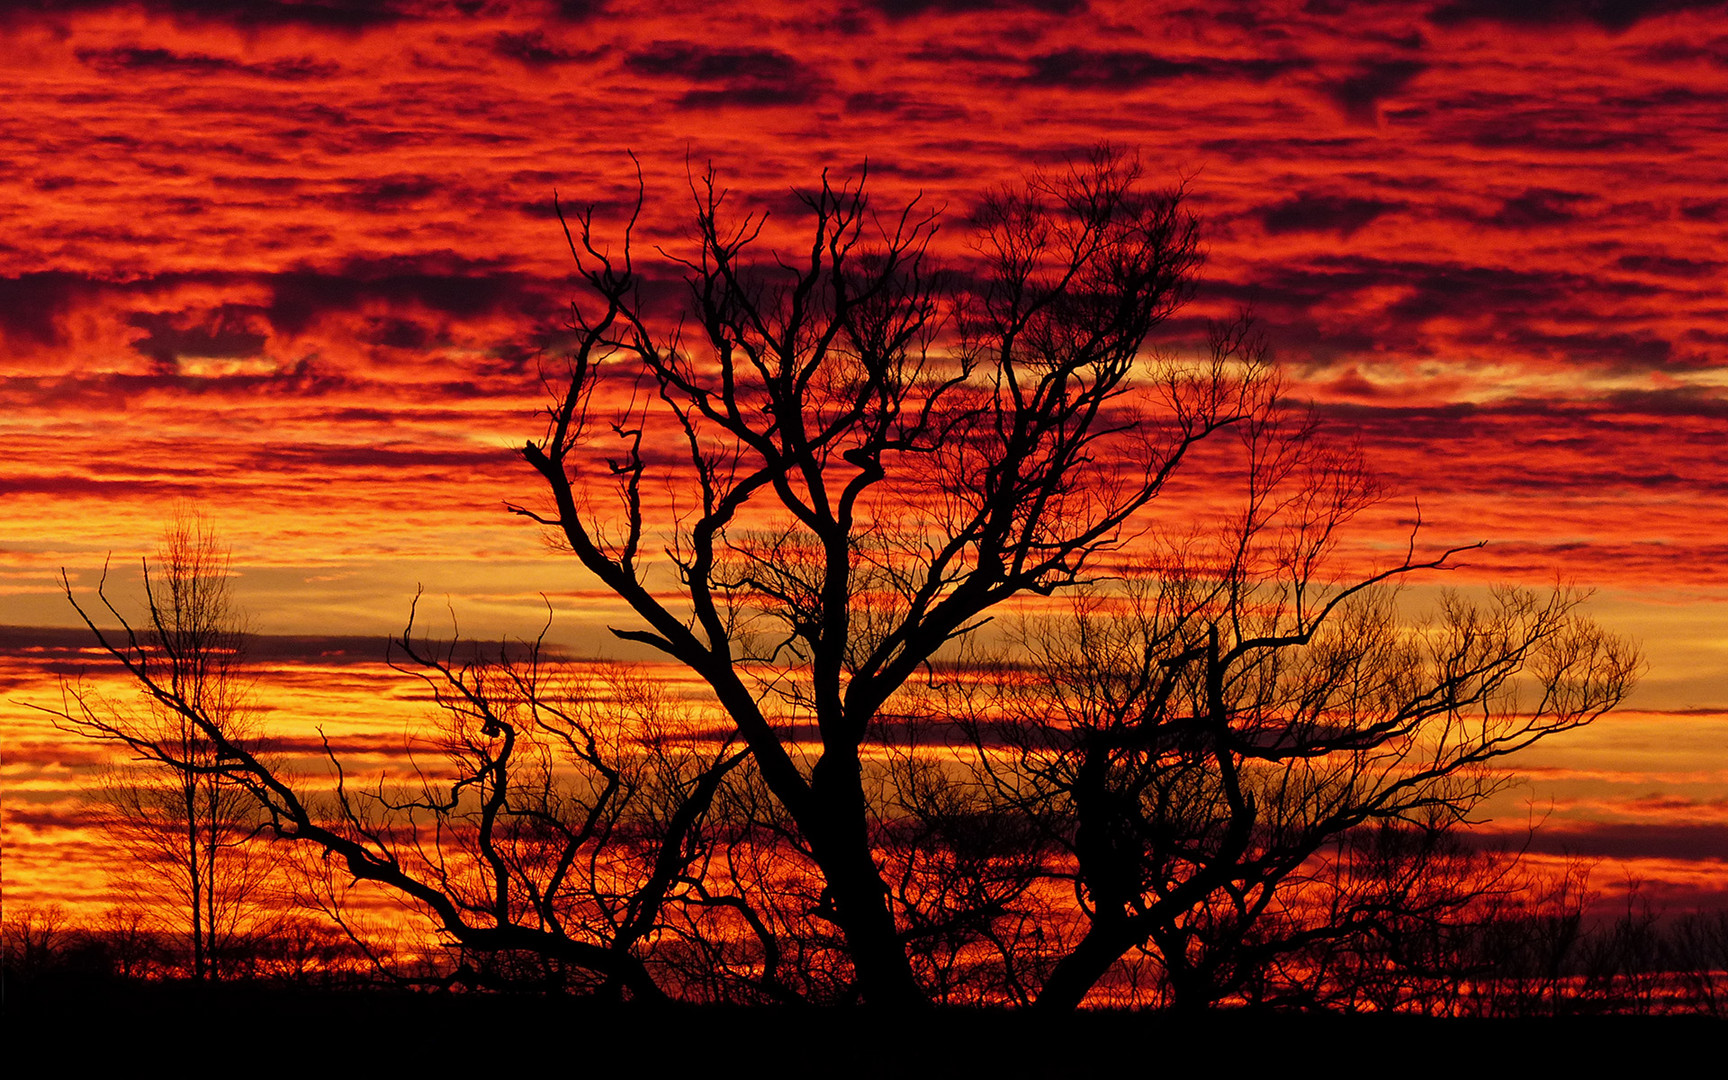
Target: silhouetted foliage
31,941
1700,956
1235,771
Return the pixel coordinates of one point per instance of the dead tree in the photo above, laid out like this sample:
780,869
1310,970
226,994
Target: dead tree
186,836
559,827
1196,738
873,459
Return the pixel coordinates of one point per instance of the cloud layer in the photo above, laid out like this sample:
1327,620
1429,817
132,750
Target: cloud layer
298,261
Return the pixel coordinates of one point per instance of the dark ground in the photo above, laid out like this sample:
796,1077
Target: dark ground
241,1030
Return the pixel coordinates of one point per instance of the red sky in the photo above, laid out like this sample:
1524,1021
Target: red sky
296,262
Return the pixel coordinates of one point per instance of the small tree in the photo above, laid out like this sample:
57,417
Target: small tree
32,941
566,817
1701,955
185,834
546,849
1197,739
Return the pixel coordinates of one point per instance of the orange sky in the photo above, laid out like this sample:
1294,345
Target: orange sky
296,262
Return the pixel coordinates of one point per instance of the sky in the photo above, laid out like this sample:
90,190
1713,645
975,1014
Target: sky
297,264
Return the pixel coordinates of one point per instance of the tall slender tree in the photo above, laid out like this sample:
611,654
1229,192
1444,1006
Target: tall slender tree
187,833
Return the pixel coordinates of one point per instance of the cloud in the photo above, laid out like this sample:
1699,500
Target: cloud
1117,68
906,107
68,651
1126,69
578,11
54,818
908,9
1359,95
442,282
403,301
380,460
1549,315
1669,266
1623,350
746,76
1611,15
535,50
32,306
1538,208
1360,303
73,644
1702,843
389,194
1563,131
199,65
1704,209
1654,452
1309,213
228,330
1672,54
169,385
1675,402
344,16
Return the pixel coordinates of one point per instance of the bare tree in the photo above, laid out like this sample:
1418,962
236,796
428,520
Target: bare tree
185,835
1196,739
545,848
32,939
813,493
1382,920
215,885
873,461
1701,957
136,949
546,845
571,810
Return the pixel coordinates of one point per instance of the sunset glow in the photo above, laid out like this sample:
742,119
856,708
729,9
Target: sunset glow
298,265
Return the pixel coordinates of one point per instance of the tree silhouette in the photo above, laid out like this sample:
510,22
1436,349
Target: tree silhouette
543,851
856,498
1236,753
185,834
570,810
1196,739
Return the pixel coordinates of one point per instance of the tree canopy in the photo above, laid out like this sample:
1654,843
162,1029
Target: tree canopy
812,492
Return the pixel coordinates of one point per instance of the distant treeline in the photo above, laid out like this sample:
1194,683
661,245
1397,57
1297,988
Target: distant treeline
1538,954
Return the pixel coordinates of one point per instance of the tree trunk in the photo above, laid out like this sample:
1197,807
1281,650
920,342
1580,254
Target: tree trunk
195,879
841,846
1076,974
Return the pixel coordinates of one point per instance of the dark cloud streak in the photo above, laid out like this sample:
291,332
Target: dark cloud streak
131,61
1340,214
337,16
749,77
1614,16
1359,94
